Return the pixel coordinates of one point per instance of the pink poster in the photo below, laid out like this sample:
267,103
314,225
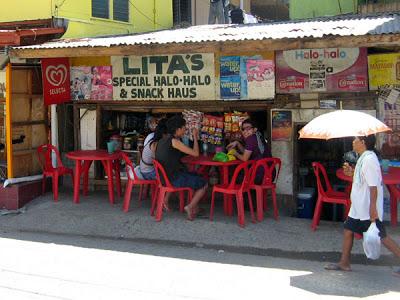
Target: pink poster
102,88
260,79
322,70
91,83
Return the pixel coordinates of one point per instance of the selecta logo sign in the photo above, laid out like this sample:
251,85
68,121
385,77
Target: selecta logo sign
56,75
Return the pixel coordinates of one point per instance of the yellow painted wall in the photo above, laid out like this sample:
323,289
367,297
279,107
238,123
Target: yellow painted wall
81,22
19,10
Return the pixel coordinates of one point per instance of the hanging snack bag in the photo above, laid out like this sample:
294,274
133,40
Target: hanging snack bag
193,120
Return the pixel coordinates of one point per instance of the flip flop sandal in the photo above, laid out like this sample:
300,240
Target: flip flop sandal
336,267
190,214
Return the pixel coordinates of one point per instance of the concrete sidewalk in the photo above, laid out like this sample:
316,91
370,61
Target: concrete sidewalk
95,217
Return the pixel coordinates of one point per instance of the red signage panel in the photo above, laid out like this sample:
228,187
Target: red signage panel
56,80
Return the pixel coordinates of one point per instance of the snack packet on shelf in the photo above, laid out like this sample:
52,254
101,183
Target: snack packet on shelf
211,131
193,120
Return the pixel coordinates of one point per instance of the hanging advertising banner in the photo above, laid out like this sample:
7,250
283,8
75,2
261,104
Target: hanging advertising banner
384,71
246,77
55,77
322,70
91,83
281,126
164,77
260,79
230,77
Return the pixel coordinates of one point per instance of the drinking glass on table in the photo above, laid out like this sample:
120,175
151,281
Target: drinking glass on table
348,170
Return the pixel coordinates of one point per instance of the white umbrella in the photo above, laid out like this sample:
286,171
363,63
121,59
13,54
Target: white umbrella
342,123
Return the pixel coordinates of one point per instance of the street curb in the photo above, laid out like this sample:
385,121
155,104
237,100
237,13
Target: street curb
322,256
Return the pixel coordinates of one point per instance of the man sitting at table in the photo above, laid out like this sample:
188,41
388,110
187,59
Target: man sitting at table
169,152
366,201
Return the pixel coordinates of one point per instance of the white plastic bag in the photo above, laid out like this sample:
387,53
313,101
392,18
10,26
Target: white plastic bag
372,242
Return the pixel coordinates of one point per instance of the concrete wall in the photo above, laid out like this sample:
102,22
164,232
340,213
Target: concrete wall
285,150
303,9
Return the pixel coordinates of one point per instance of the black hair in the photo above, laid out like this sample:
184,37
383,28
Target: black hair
369,141
174,123
160,130
251,122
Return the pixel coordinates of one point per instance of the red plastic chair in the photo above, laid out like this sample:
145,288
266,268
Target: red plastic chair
165,186
133,179
326,194
237,189
44,153
394,198
269,165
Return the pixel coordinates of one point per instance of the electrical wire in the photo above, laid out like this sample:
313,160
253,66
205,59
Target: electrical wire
147,17
62,3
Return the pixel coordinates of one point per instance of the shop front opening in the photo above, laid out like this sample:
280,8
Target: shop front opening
130,128
330,154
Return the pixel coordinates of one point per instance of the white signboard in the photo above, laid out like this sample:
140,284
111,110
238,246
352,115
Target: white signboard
164,77
320,70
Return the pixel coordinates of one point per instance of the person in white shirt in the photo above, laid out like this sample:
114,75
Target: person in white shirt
151,124
366,202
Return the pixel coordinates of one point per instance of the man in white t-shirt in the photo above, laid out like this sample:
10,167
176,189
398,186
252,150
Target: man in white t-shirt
366,201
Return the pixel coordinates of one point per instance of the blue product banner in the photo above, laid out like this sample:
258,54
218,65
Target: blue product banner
230,87
229,65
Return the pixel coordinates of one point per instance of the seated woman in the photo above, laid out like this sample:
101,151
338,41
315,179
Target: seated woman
151,123
255,147
146,161
169,152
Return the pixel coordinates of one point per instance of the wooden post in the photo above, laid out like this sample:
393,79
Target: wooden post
8,123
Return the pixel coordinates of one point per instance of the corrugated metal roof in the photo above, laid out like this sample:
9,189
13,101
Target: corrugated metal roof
347,25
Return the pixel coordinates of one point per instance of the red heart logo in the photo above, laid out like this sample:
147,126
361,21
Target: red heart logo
56,75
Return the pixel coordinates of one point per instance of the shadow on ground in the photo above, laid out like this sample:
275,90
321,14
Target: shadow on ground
95,224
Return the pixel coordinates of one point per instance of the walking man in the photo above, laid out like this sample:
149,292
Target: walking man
366,202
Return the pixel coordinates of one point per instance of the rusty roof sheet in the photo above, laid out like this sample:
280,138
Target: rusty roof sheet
345,25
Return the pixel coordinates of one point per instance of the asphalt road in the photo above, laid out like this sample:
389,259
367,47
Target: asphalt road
46,266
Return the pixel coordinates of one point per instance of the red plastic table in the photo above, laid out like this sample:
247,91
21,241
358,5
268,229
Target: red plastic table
203,160
390,179
84,158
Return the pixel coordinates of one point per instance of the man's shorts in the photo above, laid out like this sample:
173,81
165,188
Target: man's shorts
361,226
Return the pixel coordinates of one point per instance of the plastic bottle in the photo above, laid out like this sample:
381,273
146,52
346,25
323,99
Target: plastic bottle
205,149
